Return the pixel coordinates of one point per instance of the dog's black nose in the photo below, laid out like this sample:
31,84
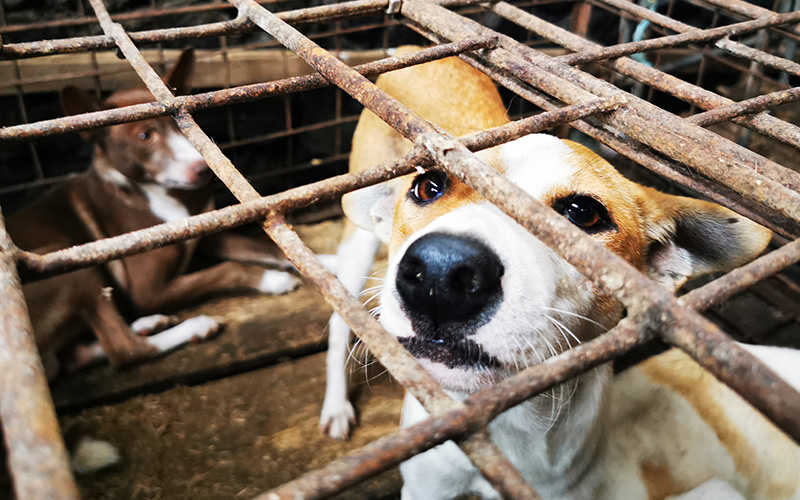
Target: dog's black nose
446,280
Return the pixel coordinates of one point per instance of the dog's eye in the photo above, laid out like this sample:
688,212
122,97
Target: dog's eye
585,212
428,186
146,135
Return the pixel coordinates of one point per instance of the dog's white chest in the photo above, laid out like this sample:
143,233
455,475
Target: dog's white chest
162,205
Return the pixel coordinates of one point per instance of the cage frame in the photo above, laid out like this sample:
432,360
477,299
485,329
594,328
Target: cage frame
729,174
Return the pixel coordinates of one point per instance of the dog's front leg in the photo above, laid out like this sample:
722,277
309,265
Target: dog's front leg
119,343
355,256
441,473
714,489
230,246
153,296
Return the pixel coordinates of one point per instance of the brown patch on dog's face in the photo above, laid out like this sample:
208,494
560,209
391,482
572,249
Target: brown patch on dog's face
138,150
411,216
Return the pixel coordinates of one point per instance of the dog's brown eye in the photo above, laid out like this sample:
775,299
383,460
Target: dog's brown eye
145,135
585,212
428,186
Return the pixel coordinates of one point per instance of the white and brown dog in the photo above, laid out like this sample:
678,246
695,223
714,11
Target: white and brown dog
142,174
477,298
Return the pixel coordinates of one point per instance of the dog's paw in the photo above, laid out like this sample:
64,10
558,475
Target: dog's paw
93,455
155,323
197,328
277,282
336,420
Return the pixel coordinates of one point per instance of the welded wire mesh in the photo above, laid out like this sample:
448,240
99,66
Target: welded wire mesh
702,93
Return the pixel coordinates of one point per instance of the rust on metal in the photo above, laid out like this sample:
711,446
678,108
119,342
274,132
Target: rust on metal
36,453
764,124
235,95
676,148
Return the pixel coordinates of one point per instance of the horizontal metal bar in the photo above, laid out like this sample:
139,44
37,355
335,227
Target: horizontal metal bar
746,9
608,271
768,60
725,287
34,267
235,26
694,36
753,105
702,98
482,406
667,22
235,95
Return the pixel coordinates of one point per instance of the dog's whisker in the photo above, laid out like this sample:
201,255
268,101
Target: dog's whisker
576,315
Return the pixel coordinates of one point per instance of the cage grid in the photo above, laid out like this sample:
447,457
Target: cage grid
678,147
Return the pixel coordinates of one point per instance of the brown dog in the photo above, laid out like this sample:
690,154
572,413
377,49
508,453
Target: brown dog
143,173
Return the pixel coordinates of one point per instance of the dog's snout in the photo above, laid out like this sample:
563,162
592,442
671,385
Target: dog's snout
197,172
449,279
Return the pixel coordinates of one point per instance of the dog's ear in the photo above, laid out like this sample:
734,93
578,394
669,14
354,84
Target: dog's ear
76,101
180,75
372,208
689,238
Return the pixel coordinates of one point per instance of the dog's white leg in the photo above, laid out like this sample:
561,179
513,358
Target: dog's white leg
441,473
355,257
405,494
277,282
148,325
714,489
198,327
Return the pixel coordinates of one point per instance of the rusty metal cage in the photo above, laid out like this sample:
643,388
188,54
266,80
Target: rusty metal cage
630,94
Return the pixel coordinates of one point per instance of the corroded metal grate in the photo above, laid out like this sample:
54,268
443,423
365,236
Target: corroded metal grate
679,148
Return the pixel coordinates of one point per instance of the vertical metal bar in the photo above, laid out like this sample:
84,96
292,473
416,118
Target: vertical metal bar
37,457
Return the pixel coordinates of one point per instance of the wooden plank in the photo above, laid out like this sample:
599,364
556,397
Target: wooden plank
52,73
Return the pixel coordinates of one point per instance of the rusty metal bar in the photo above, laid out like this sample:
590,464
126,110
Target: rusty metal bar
37,457
746,9
132,16
33,266
704,151
668,22
402,365
760,57
482,406
82,44
624,282
628,148
753,105
693,36
234,95
725,287
705,99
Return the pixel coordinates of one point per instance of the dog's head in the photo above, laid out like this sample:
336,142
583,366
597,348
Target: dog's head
147,151
475,297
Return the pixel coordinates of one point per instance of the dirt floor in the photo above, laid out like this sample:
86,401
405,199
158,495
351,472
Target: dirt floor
235,415
235,437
